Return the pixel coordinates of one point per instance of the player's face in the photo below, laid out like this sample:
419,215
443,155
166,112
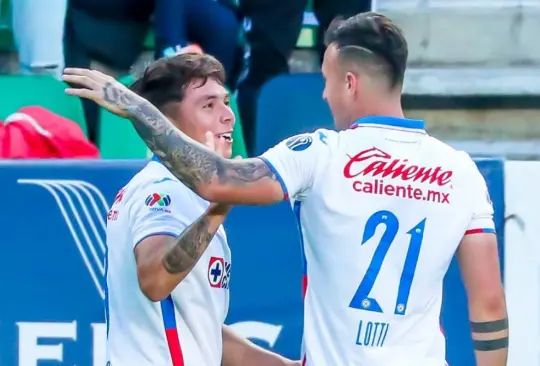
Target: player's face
206,108
337,89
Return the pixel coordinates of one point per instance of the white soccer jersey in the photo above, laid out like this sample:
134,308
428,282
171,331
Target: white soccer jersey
185,328
382,208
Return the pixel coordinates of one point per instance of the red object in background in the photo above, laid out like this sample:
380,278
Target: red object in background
37,133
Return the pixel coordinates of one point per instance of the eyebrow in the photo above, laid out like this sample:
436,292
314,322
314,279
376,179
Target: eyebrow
209,97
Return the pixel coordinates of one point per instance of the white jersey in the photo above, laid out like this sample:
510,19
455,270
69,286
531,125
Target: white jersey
185,328
382,208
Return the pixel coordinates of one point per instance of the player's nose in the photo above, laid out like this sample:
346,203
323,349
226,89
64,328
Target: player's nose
228,117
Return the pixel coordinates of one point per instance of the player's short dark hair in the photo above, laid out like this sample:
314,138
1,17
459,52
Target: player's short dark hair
165,80
371,37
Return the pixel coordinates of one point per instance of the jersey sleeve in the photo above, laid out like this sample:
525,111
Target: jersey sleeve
294,161
164,207
482,207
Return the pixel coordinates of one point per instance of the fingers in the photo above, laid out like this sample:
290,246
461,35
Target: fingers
74,71
85,77
103,76
83,93
92,74
222,146
217,145
82,80
210,141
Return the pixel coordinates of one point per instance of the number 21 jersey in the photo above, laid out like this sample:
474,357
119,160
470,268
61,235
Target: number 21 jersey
382,208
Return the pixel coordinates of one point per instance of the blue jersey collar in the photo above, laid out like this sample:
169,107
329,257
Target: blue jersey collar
415,124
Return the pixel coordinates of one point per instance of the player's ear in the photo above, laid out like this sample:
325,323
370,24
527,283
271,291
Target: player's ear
351,81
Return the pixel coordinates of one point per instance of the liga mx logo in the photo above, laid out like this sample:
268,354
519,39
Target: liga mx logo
158,202
84,210
158,199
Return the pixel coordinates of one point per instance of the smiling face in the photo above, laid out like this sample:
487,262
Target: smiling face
189,89
206,108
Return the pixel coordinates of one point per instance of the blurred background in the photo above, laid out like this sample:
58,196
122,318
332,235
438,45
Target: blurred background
474,76
473,72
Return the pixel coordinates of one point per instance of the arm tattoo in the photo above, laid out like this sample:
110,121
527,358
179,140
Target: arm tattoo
189,246
191,162
491,345
494,326
490,327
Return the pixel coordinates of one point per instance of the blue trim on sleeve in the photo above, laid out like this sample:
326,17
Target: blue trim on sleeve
480,231
278,176
168,233
166,179
297,208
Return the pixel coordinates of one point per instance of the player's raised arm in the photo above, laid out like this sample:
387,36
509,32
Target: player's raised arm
479,261
216,179
238,351
169,242
248,181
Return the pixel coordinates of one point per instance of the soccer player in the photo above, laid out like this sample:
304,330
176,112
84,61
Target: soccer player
168,261
383,207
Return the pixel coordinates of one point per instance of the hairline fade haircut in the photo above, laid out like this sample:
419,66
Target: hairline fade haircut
372,40
165,81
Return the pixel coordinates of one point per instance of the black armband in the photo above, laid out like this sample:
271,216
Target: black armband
489,327
491,345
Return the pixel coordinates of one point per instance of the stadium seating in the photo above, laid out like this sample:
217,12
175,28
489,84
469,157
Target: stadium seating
28,90
119,140
288,105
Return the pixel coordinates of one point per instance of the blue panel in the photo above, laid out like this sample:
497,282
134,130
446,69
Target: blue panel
44,276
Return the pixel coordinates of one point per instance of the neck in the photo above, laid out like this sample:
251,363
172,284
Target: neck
392,109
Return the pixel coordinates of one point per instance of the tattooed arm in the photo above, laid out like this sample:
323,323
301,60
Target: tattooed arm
163,261
216,179
478,256
248,181
479,261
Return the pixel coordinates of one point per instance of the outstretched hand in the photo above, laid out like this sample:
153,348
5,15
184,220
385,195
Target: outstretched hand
100,88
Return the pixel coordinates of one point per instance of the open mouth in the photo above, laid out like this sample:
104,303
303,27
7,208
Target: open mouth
227,136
